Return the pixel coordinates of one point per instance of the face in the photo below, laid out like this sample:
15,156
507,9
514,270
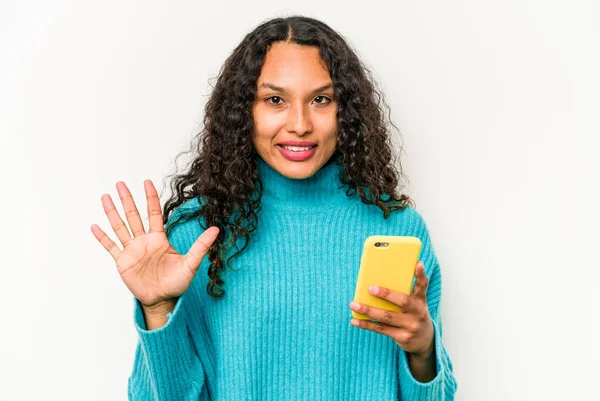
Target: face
294,106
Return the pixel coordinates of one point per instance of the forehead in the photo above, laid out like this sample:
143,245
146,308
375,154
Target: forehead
289,65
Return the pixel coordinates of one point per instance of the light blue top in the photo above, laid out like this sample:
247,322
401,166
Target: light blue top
282,331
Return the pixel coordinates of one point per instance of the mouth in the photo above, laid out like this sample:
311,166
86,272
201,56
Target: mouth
296,148
297,153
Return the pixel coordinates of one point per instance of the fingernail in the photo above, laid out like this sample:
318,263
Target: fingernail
373,289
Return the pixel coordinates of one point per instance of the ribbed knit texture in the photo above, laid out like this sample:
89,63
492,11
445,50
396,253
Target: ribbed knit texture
282,331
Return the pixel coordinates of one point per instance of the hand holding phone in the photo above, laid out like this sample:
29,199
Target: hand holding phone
387,261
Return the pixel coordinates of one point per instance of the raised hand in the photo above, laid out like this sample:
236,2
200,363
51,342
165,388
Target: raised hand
149,266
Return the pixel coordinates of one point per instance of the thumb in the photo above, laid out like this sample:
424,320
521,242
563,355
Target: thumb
198,250
420,290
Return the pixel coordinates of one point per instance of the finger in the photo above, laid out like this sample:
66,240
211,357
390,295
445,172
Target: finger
198,250
404,301
106,242
397,319
420,290
396,333
131,212
154,213
115,220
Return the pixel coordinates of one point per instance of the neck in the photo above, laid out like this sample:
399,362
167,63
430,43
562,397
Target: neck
322,188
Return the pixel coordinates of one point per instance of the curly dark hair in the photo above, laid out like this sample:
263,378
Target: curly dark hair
223,171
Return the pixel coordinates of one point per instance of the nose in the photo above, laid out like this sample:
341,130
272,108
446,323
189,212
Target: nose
299,120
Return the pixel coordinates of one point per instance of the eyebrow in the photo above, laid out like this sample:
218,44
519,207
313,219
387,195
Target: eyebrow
274,87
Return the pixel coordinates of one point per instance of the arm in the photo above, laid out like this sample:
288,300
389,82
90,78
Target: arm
423,368
439,370
442,386
166,365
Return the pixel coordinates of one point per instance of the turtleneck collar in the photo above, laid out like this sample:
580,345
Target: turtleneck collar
321,189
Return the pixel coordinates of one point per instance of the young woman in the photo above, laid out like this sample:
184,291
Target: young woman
293,170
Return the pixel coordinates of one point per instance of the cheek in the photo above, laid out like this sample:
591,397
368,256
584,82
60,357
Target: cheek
327,121
329,127
266,124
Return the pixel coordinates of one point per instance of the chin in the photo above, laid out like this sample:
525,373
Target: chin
297,172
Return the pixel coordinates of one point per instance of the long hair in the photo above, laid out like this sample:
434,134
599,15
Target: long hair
223,170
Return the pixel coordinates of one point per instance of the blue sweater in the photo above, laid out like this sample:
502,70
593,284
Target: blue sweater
282,331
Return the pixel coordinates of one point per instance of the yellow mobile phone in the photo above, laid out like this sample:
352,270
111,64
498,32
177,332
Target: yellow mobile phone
388,261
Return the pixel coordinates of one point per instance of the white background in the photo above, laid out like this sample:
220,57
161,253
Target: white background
497,102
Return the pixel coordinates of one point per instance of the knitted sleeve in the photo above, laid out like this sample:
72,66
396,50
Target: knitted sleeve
443,386
166,364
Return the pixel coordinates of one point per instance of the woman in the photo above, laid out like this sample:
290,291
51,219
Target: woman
293,171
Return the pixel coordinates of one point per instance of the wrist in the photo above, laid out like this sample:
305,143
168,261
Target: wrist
161,308
422,366
156,316
161,305
424,356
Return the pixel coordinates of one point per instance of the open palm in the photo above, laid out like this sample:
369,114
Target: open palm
151,269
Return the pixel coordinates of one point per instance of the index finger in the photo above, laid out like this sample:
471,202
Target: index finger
404,301
154,213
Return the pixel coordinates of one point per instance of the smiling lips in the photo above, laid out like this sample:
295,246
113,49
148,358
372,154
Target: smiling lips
299,151
299,144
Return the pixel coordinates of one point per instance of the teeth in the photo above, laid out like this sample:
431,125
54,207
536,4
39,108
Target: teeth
297,148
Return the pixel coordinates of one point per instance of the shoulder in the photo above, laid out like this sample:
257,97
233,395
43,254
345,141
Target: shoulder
420,230
188,207
411,213
410,220
184,225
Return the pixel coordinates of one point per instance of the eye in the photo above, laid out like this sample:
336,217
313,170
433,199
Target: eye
275,100
325,99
